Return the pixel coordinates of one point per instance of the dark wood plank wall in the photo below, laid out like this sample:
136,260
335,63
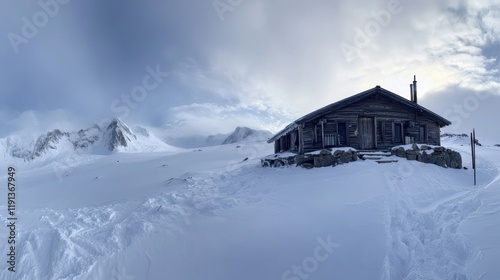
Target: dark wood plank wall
386,112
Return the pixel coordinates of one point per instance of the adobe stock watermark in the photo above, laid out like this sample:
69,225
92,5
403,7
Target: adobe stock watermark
364,36
310,264
30,28
150,82
223,6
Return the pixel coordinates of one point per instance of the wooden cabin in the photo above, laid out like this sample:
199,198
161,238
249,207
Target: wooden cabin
376,119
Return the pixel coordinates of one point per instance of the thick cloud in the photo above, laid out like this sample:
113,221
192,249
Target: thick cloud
90,58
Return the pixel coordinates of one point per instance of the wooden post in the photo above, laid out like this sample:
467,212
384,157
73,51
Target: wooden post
323,133
473,152
301,139
474,135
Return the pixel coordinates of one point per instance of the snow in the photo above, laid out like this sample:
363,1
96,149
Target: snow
210,214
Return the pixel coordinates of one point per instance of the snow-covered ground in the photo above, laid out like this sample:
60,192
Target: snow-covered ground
210,214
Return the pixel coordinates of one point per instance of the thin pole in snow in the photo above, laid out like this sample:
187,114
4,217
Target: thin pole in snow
473,151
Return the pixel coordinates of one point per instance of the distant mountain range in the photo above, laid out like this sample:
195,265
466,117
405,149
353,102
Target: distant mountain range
115,136
240,134
245,134
103,138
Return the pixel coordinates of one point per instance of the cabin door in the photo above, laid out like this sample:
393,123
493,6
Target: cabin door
366,133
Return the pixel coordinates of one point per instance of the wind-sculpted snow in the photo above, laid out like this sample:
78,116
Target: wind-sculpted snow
211,214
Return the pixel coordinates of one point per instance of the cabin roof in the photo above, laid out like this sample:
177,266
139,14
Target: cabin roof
358,97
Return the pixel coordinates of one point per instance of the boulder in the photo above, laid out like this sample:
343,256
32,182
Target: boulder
324,152
400,152
337,153
447,159
439,149
440,162
323,161
443,160
301,159
424,147
345,158
354,155
307,165
415,147
411,155
456,160
278,163
432,158
290,160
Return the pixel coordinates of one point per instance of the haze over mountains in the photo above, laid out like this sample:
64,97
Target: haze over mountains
240,134
115,136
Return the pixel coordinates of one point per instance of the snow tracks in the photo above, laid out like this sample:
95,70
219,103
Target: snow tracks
73,243
423,217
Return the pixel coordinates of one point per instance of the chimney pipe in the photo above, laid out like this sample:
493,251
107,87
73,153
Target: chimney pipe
415,88
411,92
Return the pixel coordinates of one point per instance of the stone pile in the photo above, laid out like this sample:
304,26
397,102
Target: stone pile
323,159
435,155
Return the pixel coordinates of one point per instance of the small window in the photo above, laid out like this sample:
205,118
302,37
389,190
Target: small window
398,133
423,134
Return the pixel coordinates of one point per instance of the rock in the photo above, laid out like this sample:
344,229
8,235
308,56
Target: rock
307,165
415,147
420,158
278,163
411,156
440,162
291,160
424,147
354,156
345,158
497,145
400,152
443,160
455,160
324,152
439,149
337,153
447,159
300,159
323,161
432,158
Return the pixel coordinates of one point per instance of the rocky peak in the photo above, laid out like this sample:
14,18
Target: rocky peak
119,134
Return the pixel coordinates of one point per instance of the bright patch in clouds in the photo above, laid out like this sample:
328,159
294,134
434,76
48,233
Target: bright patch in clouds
263,60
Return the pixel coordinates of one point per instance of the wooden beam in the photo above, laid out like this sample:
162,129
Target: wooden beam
323,134
301,139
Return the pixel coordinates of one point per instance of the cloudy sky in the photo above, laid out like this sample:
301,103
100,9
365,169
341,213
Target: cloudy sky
208,66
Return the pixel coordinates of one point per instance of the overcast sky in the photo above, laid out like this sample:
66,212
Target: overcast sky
205,67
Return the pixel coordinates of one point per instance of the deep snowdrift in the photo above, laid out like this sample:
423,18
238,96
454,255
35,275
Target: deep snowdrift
211,214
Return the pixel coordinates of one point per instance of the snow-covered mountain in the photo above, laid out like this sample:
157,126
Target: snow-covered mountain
240,134
104,138
245,134
195,141
158,215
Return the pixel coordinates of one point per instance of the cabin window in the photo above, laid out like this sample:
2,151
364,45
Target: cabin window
423,134
397,133
317,133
